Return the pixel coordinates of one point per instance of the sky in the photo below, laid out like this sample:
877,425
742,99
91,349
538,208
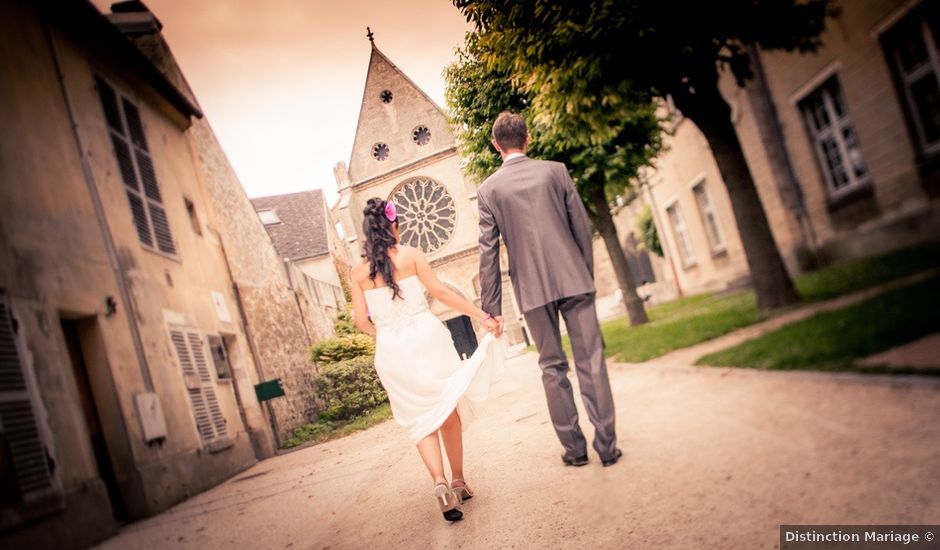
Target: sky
281,81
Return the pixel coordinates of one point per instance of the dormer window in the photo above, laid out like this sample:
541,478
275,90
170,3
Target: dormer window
269,217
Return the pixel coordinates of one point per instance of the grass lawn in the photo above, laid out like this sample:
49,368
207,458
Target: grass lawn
833,340
688,321
325,430
848,277
678,324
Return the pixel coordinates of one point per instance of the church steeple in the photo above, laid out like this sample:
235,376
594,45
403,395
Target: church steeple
398,123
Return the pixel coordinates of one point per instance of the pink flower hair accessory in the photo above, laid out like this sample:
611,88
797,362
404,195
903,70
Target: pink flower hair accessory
390,211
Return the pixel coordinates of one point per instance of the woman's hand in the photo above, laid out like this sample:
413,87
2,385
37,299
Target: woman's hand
494,325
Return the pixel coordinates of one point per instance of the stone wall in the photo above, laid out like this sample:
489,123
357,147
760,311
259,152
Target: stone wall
275,327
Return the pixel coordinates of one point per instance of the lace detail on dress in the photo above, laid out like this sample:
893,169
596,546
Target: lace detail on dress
386,312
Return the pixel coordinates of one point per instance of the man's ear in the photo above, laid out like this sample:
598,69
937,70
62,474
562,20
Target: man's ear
496,146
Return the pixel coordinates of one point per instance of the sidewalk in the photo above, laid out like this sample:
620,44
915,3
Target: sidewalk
713,458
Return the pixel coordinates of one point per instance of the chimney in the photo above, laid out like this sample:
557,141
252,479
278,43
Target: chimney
133,18
342,176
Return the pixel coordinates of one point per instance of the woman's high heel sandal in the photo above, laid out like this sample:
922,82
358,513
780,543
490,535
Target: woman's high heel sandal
461,489
448,502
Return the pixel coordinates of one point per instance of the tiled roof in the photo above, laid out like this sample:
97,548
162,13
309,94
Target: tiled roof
302,231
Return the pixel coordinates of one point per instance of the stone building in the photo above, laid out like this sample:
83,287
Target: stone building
404,150
141,300
300,226
843,145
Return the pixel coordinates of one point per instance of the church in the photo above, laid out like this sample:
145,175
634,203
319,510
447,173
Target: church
405,151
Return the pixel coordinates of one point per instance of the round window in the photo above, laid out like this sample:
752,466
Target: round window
386,96
421,135
380,151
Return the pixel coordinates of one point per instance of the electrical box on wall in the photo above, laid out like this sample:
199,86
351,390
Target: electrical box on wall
150,413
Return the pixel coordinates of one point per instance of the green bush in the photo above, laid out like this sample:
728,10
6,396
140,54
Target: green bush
345,325
342,348
349,388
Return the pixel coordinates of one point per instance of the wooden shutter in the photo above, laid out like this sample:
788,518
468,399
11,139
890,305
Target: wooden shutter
136,167
190,350
17,419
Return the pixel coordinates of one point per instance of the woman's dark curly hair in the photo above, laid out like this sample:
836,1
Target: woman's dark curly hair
379,239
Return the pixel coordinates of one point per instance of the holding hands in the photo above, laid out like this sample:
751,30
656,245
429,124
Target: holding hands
493,325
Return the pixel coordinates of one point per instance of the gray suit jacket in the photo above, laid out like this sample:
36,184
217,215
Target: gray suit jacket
534,206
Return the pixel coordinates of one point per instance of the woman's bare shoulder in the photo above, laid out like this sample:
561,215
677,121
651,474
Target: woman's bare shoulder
409,252
360,271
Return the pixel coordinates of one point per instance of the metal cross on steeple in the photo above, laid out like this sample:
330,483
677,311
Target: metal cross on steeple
369,34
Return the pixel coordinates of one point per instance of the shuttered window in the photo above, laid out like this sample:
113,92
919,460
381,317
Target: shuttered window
194,361
22,454
136,168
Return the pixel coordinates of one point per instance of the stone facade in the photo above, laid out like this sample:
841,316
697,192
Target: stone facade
404,150
894,203
693,213
140,298
889,203
281,337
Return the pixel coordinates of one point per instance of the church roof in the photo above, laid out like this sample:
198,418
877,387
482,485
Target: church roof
300,231
398,122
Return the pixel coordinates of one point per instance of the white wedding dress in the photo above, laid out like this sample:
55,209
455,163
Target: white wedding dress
417,364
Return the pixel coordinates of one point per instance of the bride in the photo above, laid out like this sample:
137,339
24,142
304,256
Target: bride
430,388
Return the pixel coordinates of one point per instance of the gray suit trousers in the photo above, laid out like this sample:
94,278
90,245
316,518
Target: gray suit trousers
588,349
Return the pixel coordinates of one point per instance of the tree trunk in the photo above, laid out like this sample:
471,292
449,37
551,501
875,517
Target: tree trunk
771,281
627,282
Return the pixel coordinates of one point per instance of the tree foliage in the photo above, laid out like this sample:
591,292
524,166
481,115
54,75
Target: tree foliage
580,63
602,164
478,89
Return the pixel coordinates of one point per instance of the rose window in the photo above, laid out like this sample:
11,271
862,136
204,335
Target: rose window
426,214
386,96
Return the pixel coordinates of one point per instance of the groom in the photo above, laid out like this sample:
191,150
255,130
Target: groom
534,206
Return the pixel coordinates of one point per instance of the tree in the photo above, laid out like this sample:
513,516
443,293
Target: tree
602,164
648,234
562,52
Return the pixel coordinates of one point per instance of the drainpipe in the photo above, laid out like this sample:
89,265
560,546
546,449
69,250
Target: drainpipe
288,265
776,129
123,289
243,321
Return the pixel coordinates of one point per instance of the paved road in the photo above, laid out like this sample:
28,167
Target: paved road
714,458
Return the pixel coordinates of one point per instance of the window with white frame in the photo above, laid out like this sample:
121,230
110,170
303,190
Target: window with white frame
136,168
706,209
680,232
200,385
912,47
833,135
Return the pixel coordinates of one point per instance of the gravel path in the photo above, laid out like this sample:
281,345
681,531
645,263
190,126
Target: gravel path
713,458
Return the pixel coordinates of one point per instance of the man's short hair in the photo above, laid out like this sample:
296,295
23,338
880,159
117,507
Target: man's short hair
509,131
